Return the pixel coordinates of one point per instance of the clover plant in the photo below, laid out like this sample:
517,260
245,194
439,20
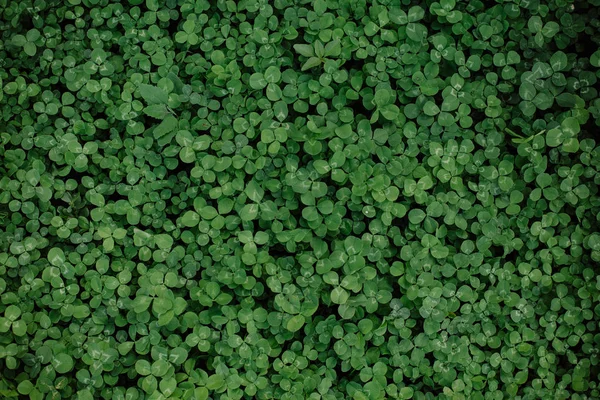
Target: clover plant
299,199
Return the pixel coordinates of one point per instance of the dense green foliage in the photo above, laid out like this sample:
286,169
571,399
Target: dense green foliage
298,199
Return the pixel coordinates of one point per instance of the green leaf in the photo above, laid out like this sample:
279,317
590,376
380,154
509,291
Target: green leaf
382,97
558,61
390,112
543,100
258,81
295,323
406,392
208,212
272,74
158,111
178,83
214,382
169,124
311,63
416,216
19,40
163,241
416,32
550,29
33,177
305,50
25,387
141,303
319,49
554,137
30,49
143,367
339,295
465,293
254,191
249,212
153,95
12,312
527,91
333,48
567,100
62,363
56,257
570,126
190,219
535,24
415,13
187,155
431,109
320,6
595,59
371,28
570,145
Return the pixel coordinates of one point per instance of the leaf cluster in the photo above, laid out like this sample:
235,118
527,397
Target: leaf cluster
316,199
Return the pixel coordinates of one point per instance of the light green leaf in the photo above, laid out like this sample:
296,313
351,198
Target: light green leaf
570,127
153,95
12,312
390,111
272,74
550,29
295,323
30,49
415,13
62,363
158,111
249,212
258,81
431,109
254,191
214,382
595,59
33,177
143,367
163,241
56,256
190,219
339,295
166,126
415,216
311,63
406,393
305,50
558,61
333,48
19,40
416,31
208,212
25,387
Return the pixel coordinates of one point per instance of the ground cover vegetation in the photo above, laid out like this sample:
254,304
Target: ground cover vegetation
298,199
